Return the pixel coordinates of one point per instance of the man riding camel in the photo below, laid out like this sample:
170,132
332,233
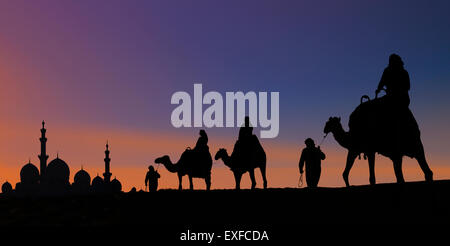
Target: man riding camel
202,142
395,81
246,131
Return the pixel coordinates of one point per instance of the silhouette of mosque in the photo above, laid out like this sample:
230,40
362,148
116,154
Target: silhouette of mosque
53,179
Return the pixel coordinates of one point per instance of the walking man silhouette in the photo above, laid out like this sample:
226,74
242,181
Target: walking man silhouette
312,157
151,179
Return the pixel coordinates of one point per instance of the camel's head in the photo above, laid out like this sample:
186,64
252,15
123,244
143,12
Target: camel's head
220,154
162,159
332,124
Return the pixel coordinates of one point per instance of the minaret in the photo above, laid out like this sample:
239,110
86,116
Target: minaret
107,173
43,156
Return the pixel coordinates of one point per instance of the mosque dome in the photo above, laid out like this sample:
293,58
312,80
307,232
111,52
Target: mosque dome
98,184
82,178
116,186
29,174
6,188
58,170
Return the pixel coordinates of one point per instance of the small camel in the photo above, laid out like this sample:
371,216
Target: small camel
193,163
240,163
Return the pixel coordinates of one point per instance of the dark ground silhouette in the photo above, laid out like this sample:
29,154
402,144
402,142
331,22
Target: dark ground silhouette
415,202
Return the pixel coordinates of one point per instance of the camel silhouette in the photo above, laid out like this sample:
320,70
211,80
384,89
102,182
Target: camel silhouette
195,164
245,158
377,126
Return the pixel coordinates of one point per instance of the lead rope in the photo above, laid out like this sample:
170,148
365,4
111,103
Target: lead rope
300,181
323,139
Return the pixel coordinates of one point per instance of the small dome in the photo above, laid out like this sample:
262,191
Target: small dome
29,174
116,186
6,188
82,178
98,184
58,170
97,181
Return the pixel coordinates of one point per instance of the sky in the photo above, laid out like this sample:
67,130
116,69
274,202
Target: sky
106,70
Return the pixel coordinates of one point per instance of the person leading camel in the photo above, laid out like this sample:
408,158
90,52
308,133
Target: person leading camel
395,80
151,179
312,156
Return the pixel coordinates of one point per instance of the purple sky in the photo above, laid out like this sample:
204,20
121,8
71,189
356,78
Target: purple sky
117,63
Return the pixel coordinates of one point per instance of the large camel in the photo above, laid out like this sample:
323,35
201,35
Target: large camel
376,126
245,158
195,164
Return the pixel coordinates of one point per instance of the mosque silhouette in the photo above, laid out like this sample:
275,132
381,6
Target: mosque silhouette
53,179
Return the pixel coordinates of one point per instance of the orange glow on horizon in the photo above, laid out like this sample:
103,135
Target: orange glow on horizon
132,152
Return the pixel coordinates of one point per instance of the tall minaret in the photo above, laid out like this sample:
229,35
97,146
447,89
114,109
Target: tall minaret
107,174
43,156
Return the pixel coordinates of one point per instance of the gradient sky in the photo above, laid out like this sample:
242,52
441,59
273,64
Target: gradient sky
97,70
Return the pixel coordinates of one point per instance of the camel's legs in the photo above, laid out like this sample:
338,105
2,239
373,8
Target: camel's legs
208,181
424,165
237,178
263,174
191,185
252,177
351,156
398,169
371,158
180,181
